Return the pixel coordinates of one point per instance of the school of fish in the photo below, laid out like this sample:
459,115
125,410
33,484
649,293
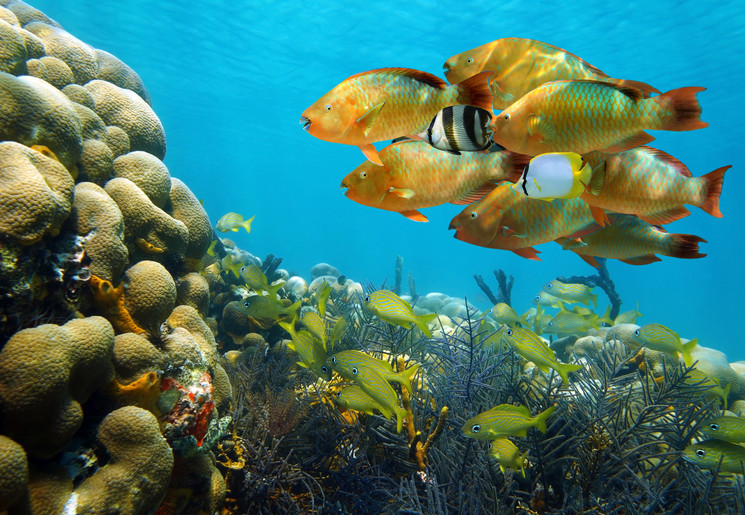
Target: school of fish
568,140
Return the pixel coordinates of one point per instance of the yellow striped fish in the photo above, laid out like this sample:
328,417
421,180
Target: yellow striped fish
355,358
312,354
532,347
354,398
571,292
570,323
257,281
697,378
663,339
322,298
505,420
546,299
391,308
315,325
372,383
727,428
338,331
508,455
717,455
504,314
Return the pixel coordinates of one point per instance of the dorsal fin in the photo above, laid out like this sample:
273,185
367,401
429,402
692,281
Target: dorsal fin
669,160
633,93
418,75
474,195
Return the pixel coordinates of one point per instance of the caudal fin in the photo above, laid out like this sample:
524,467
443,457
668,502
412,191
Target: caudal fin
685,108
563,371
714,181
475,91
685,246
422,321
540,419
405,377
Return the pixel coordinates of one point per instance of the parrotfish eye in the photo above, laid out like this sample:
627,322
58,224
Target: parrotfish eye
506,116
476,428
714,427
701,453
327,107
333,360
363,175
469,60
354,371
474,215
637,332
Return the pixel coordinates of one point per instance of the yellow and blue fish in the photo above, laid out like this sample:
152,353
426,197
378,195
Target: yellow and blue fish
508,455
727,428
532,347
717,455
232,222
312,354
569,292
391,308
505,420
663,339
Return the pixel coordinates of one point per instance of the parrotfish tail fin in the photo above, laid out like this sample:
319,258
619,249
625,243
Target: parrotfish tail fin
685,107
540,420
247,224
407,376
685,246
475,91
421,322
714,181
563,371
686,352
401,414
646,88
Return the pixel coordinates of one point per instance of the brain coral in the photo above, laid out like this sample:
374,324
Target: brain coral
188,318
138,472
33,112
61,44
147,172
36,193
97,162
194,291
112,69
46,373
54,71
12,49
134,356
150,294
148,230
127,110
186,207
97,217
14,476
26,14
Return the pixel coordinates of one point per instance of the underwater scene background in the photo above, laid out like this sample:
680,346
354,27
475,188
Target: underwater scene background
154,361
230,83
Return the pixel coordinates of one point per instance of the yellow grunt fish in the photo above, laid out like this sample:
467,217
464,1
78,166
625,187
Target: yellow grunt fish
415,175
387,103
322,298
233,222
571,292
312,354
505,420
651,184
663,339
532,347
391,308
546,299
504,314
581,116
570,323
727,428
521,65
508,455
315,325
355,358
354,398
257,281
717,455
506,219
633,241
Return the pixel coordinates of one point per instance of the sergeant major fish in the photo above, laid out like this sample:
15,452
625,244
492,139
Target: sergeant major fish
387,103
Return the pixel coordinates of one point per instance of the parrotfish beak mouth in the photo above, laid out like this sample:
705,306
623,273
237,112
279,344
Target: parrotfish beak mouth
446,67
305,122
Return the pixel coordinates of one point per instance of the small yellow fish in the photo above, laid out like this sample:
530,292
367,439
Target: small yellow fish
508,455
354,358
227,263
353,397
627,317
566,322
709,454
232,222
571,292
322,298
505,420
532,347
546,299
338,331
504,314
257,281
315,325
663,339
555,175
263,307
698,378
391,308
310,350
727,428
211,248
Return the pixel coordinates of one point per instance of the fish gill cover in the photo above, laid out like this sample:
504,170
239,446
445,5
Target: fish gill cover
150,364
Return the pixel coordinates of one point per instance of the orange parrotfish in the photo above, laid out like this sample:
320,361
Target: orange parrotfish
388,103
584,115
506,219
632,241
416,175
650,184
520,65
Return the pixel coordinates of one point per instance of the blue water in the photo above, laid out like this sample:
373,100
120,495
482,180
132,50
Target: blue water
229,84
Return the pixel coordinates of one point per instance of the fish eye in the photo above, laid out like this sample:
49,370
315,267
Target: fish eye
549,286
363,175
243,269
637,332
367,298
714,427
338,394
537,297
474,215
491,445
246,304
509,332
701,453
324,370
333,360
476,428
327,107
469,60
506,116
354,371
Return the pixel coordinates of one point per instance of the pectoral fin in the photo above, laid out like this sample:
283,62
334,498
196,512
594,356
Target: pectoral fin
367,120
401,192
599,215
597,179
540,128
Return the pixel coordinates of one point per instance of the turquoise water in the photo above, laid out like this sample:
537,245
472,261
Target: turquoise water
229,84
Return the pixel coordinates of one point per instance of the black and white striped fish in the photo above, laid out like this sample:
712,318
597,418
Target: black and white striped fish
459,128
